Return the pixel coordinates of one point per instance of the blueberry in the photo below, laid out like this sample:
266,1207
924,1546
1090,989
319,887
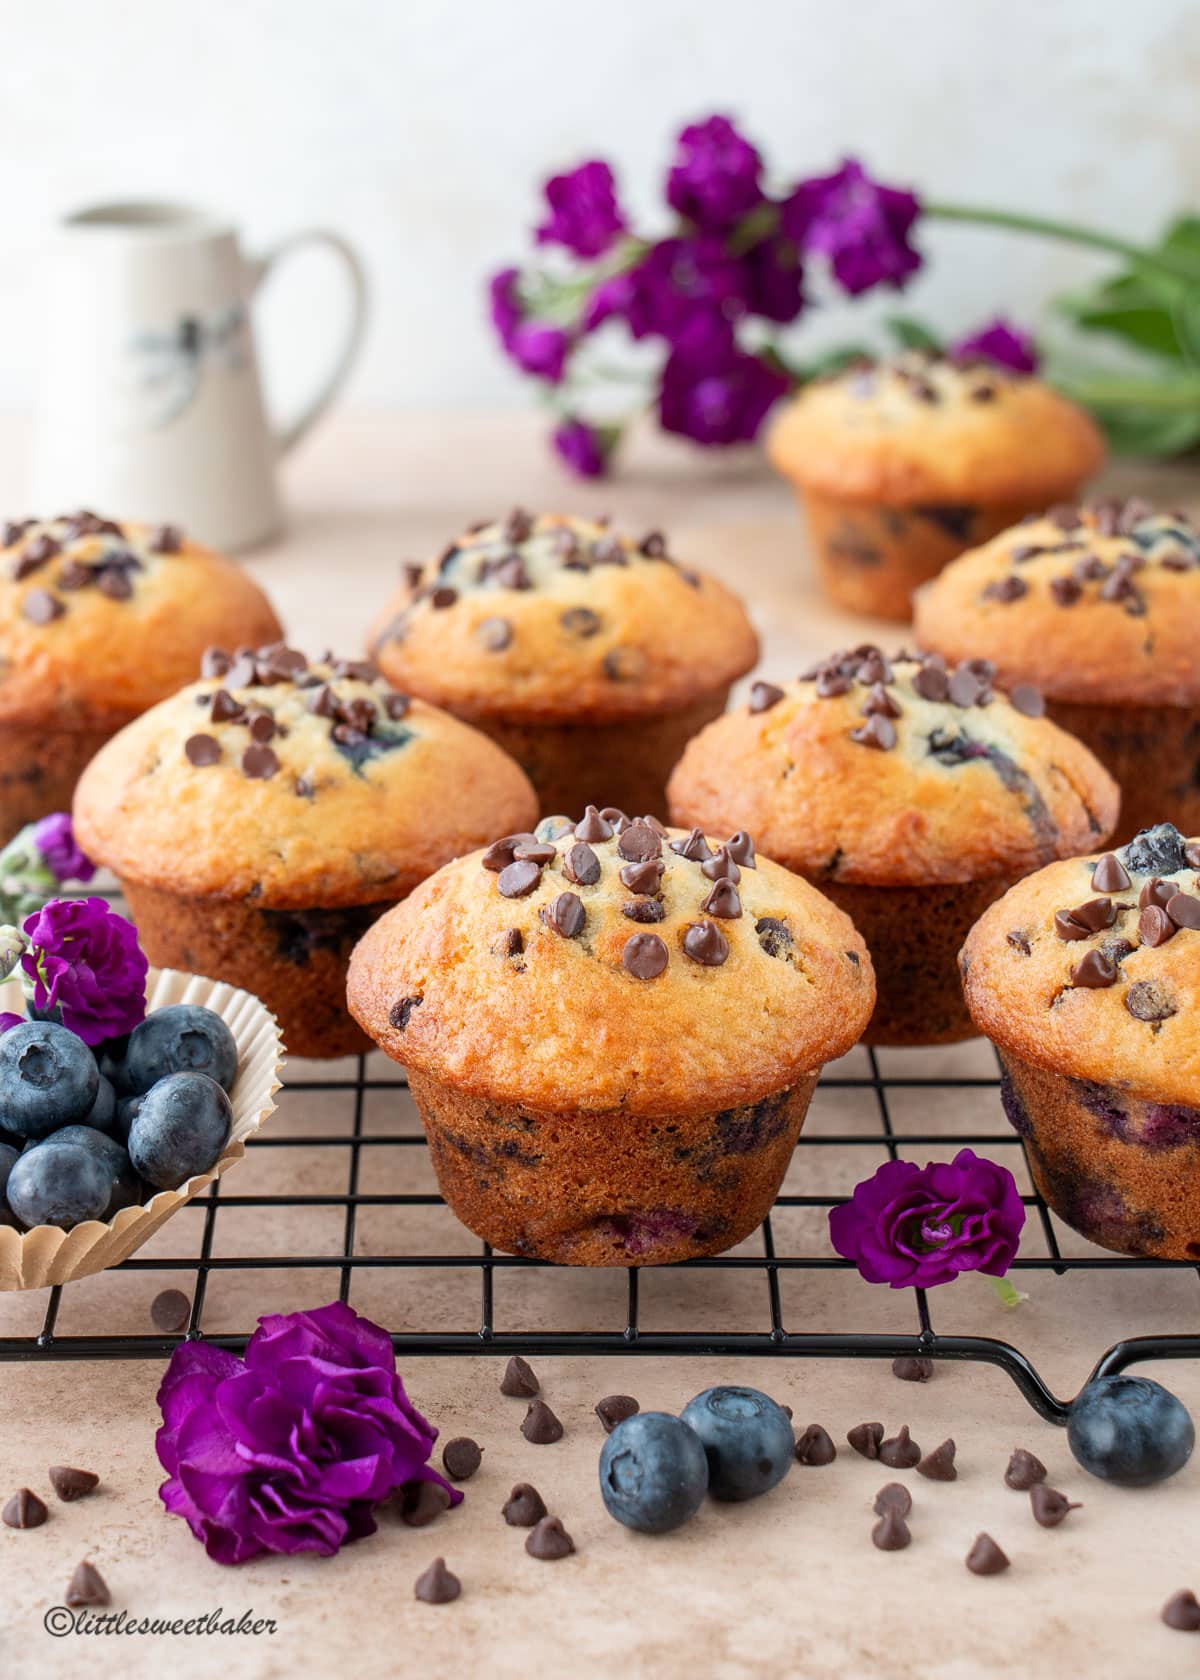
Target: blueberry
111,1058
1156,851
48,1078
102,1115
127,1112
747,1438
653,1472
180,1129
181,1039
1130,1430
8,1160
62,1185
125,1186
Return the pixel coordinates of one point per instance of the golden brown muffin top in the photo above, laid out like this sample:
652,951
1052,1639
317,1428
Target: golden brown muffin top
556,618
614,962
1092,968
896,772
918,428
1095,604
293,784
98,620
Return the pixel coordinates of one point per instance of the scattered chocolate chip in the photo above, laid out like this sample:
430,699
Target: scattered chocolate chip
549,1540
73,575
900,1452
609,551
878,732
879,703
40,607
1007,588
1027,700
723,900
1064,516
86,1589
1156,892
113,581
202,749
624,664
967,688
705,944
214,662
580,621
764,695
1085,919
1184,910
519,1381
938,1465
24,1510
494,634
1023,1471
541,1427
565,915
170,1311
422,1502
532,850
401,1011
593,827
891,1532
1065,590
815,1447
1048,1505
461,1457
13,530
1147,1001
517,880
831,683
71,1484
518,527
165,539
653,545
985,1557
695,848
436,1585
865,1438
259,762
740,847
443,596
511,573
1182,1612
524,1507
912,1368
893,1497
581,865
1094,972
645,956
720,866
639,841
1018,942
1155,927
614,1409
397,706
223,707
932,683
1109,875
643,877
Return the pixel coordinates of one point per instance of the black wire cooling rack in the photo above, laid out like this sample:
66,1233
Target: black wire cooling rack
770,1339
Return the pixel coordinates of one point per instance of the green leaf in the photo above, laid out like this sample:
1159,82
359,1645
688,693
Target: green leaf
833,361
1144,433
911,334
1183,234
1132,308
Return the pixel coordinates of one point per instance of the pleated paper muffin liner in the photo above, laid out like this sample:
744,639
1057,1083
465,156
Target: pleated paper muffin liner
46,1255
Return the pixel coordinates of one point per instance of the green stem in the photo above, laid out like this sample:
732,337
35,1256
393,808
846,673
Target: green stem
1018,222
1006,1293
1103,391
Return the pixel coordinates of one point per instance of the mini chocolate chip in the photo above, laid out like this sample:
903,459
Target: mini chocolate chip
645,956
900,1452
1182,1612
510,573
639,841
549,1540
401,1011
519,1381
1048,1505
653,545
1184,910
1147,1001
1157,892
815,1447
524,1507
533,850
170,1311
73,575
24,1510
695,848
938,1465
443,596
1007,588
259,762
1155,927
720,866
879,703
541,1427
831,683
624,664
878,732
581,865
494,634
437,1585
517,880
461,1457
893,1497
891,1532
966,688
740,847
865,1438
617,818
1109,875
580,621
165,539
224,708
912,1368
40,607
1085,919
500,853
1094,972
985,1557
397,706
723,900
565,915
323,702
705,944
644,910
113,582
592,826
609,551
1023,1470
1065,590
261,726
1027,700
422,1502
931,683
71,1484
614,1409
764,695
643,877
86,1589
1064,515
518,527
202,749
214,662
1089,568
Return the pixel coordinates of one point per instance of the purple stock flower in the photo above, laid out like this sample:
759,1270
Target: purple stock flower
584,215
535,346
291,1449
8,1019
714,179
712,391
85,962
505,302
581,447
677,281
859,224
1000,342
774,279
913,1227
54,838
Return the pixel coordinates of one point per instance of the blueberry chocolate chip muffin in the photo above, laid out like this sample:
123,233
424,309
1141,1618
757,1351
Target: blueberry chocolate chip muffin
612,1031
902,464
913,794
1100,607
1086,977
98,621
588,656
263,817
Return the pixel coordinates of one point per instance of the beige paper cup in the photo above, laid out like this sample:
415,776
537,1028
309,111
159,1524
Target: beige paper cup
46,1255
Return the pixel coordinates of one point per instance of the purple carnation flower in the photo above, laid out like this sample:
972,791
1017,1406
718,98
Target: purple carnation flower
676,282
774,280
581,447
913,1227
8,1019
714,180
291,1449
534,346
1000,342
712,391
505,302
859,224
86,963
583,210
54,838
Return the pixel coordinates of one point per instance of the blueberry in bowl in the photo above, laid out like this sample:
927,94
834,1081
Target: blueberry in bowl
48,1078
747,1440
8,1160
125,1187
1130,1430
183,1038
63,1185
653,1473
180,1129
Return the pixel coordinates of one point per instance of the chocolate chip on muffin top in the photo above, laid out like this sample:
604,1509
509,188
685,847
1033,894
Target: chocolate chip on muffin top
77,552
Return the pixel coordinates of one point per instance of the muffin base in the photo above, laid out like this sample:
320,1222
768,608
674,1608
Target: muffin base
1152,751
914,935
295,961
870,558
1123,1172
624,763
609,1189
39,767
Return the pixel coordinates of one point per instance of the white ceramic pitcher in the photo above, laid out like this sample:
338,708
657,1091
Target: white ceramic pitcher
151,406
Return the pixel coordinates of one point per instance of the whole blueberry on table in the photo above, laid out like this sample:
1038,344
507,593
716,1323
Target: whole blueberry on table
125,1185
8,1159
48,1078
184,1038
1130,1430
653,1472
180,1129
747,1439
60,1186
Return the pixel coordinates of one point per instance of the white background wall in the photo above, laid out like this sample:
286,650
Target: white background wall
421,128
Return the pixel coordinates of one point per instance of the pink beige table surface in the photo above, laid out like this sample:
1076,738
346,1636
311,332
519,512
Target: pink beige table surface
786,1586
